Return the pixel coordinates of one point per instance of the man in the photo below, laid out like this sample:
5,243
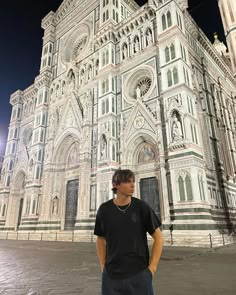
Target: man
121,228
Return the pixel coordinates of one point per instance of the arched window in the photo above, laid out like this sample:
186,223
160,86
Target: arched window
117,3
13,148
15,133
113,104
107,1
113,129
169,20
201,187
107,106
104,16
11,165
39,155
107,15
103,107
167,54
103,87
113,56
113,152
175,76
172,51
107,85
163,22
181,188
117,18
49,60
169,78
38,172
103,58
42,136
189,188
46,97
107,56
114,14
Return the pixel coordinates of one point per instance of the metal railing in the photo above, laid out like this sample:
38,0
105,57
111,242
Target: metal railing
210,240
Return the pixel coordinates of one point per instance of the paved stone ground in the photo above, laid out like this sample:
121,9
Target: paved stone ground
50,268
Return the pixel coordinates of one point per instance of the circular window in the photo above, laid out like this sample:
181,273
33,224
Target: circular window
139,84
79,47
76,44
144,84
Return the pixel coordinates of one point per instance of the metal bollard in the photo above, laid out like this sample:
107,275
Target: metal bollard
210,240
73,233
28,236
41,236
223,239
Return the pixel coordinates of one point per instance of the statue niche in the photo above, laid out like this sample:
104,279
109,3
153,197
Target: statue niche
176,127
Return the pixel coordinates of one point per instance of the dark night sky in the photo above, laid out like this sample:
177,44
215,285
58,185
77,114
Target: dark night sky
21,41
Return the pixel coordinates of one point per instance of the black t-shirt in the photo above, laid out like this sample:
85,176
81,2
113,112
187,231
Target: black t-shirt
126,236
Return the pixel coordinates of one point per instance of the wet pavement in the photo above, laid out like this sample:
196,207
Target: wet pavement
50,268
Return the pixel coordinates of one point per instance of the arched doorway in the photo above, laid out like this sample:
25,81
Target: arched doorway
67,158
148,182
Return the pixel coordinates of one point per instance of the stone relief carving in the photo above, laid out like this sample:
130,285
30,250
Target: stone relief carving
139,122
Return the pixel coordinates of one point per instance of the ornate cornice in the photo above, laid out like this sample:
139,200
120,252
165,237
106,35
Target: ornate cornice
48,20
16,97
43,79
30,92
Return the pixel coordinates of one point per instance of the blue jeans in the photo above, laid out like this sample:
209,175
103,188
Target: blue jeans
138,284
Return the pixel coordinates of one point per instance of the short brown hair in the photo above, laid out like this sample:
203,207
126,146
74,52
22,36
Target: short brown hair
121,176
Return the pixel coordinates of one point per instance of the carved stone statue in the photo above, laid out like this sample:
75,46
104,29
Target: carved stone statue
149,37
176,129
136,45
71,81
125,51
55,202
103,148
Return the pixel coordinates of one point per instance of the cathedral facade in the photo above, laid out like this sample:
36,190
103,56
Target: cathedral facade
123,86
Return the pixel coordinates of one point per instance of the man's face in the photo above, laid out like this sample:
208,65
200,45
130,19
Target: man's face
126,188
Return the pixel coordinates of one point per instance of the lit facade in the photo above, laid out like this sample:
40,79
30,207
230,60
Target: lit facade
122,86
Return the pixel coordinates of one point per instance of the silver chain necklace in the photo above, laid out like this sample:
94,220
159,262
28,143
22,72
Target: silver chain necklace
123,210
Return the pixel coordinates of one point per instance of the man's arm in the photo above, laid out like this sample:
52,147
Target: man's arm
156,250
101,250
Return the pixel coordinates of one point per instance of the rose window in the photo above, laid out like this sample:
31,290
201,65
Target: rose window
139,84
144,84
79,47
